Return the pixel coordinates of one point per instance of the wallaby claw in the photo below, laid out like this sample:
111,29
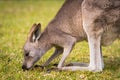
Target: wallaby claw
52,69
55,64
36,66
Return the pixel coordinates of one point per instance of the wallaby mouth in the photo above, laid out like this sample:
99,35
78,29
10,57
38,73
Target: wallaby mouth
25,67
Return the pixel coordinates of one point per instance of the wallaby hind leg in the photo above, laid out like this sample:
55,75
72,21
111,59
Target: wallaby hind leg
58,51
94,34
93,25
96,62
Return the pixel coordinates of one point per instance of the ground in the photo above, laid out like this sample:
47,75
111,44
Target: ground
16,18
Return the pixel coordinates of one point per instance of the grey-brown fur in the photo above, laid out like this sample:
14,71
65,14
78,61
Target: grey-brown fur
97,21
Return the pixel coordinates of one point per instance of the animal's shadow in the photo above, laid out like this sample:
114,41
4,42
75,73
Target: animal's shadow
112,63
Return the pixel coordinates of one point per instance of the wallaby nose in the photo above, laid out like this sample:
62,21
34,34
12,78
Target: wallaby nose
24,67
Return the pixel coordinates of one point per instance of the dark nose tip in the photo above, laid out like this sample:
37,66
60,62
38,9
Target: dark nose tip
24,67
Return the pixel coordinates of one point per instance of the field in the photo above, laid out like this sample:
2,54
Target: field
16,18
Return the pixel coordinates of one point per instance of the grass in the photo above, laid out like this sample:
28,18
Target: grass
16,18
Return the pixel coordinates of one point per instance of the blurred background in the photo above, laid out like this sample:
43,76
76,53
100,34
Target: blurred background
17,17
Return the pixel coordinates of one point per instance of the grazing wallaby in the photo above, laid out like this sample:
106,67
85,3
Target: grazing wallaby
97,21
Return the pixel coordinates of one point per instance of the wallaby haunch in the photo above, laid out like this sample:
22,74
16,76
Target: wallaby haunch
96,21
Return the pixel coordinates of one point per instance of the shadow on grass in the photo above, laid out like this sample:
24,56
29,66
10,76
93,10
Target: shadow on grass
112,63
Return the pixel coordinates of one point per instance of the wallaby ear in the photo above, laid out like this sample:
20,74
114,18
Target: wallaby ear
35,32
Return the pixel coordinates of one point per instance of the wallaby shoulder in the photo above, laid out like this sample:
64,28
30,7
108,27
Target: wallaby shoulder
68,20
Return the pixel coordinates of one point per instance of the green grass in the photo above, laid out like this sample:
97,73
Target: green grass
16,18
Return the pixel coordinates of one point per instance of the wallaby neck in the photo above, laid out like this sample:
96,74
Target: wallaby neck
44,41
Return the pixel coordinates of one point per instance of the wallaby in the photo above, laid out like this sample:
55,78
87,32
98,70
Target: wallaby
96,21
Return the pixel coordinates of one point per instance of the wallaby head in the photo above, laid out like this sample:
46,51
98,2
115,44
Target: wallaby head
32,52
